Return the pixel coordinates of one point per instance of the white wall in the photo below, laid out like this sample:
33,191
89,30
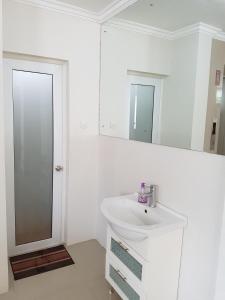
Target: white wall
220,280
191,183
3,233
186,93
201,91
179,93
35,31
123,51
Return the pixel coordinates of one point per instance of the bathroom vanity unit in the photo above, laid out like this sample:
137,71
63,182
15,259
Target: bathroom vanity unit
144,248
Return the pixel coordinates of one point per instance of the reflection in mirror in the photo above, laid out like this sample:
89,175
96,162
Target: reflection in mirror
162,74
141,112
143,108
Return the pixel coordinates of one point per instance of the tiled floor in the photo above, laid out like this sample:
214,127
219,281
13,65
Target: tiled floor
82,281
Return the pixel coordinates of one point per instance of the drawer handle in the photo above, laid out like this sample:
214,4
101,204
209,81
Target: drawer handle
122,246
121,275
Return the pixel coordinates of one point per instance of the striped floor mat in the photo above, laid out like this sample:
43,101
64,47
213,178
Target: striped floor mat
41,261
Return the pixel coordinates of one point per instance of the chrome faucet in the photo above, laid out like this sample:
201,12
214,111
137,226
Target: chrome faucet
152,195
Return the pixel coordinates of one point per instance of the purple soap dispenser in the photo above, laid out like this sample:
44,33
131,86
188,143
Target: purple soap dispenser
142,195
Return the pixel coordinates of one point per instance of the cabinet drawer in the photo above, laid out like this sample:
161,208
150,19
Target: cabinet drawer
120,281
122,253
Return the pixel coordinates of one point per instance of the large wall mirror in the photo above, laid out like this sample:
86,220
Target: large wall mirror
162,74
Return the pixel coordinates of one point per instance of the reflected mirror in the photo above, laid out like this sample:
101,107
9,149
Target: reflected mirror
162,74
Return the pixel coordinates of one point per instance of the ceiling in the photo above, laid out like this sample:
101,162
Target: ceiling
92,5
175,14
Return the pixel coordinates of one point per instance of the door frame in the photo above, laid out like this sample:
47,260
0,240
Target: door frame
158,84
58,159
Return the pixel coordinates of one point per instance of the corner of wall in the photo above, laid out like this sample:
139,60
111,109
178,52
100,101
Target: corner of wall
3,230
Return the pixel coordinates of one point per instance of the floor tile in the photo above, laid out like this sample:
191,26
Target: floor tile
82,281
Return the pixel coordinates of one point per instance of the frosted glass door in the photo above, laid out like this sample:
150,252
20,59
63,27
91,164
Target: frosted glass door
33,155
141,112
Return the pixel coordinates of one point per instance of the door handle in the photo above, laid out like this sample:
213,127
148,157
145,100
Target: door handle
59,168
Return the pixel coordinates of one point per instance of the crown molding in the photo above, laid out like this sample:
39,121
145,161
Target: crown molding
195,28
100,17
106,16
166,34
139,28
114,8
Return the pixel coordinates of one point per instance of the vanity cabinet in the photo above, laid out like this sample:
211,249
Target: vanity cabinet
144,270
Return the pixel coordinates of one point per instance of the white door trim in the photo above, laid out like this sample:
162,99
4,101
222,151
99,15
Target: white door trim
158,84
59,156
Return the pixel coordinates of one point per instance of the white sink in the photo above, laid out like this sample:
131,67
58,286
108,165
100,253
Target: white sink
135,221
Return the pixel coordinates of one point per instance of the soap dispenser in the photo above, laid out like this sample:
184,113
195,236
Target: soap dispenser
143,194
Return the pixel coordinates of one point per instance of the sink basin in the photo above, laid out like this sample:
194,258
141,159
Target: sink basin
135,221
